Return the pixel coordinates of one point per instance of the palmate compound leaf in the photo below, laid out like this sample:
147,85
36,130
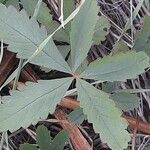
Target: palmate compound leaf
24,36
31,104
102,112
82,30
118,67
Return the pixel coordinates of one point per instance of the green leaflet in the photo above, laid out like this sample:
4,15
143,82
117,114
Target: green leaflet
101,30
142,39
133,90
113,87
118,67
77,116
110,87
64,50
120,47
27,146
14,3
44,141
9,79
82,30
43,138
69,6
31,104
24,36
60,35
1,1
147,148
122,98
125,101
60,140
104,115
43,16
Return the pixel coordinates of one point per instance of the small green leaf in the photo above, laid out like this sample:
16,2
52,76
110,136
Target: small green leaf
32,103
43,138
147,148
27,146
24,36
133,90
102,112
64,50
1,1
120,47
60,35
118,67
82,30
110,87
101,30
60,140
14,3
77,116
142,39
69,6
125,101
43,16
